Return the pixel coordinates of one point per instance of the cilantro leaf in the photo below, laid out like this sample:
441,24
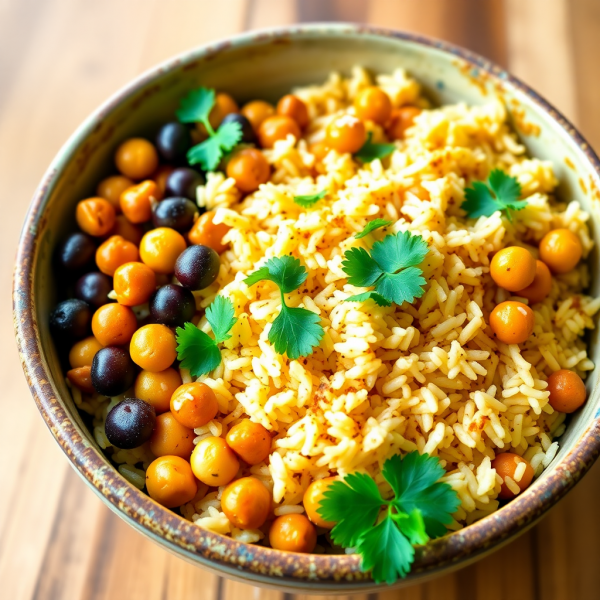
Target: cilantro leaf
196,106
208,153
354,505
372,226
221,317
310,200
500,193
401,287
385,552
399,251
415,481
412,526
361,269
371,151
295,331
377,298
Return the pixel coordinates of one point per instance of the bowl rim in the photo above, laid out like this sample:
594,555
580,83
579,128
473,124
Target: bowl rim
225,555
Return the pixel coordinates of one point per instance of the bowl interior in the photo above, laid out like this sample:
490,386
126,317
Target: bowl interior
266,66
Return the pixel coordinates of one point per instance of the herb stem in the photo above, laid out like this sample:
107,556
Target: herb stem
208,126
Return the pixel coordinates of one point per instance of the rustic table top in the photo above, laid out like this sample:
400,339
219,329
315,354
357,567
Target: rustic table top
58,60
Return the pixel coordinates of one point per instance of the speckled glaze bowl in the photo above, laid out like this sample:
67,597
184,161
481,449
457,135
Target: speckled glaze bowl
265,65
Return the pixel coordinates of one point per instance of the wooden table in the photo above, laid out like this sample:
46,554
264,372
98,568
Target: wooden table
58,60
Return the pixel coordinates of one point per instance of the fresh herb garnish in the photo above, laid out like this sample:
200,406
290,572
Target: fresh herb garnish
195,108
310,200
295,331
372,226
420,508
390,268
370,151
196,350
500,193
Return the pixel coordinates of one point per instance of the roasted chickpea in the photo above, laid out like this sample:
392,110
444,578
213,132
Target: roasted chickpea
541,285
153,347
136,201
246,502
136,158
114,252
160,248
225,105
81,378
291,106
127,230
401,119
161,175
567,391
293,533
134,283
249,168
171,438
312,501
346,134
114,324
276,128
506,464
214,462
170,481
157,388
513,268
319,150
194,404
373,104
257,111
95,216
250,441
512,322
82,353
111,188
206,232
561,250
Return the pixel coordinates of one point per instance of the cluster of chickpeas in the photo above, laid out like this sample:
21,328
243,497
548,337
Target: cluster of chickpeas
516,270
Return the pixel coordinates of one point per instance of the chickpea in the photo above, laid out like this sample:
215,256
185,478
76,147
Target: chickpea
567,391
95,216
541,285
249,168
136,158
160,248
246,502
194,404
250,441
291,106
401,119
114,252
276,128
506,465
512,322
513,268
373,104
134,283
111,188
171,438
206,232
293,533
170,481
114,324
561,250
312,501
136,201
225,105
82,353
127,230
81,378
319,150
160,177
157,388
257,111
153,347
214,462
346,134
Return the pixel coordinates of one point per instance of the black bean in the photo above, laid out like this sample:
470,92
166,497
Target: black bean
173,141
130,423
94,288
70,320
113,371
197,267
172,305
176,213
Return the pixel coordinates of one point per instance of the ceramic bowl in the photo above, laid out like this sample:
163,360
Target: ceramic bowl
265,65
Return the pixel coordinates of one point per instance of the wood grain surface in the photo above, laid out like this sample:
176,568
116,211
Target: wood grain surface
58,60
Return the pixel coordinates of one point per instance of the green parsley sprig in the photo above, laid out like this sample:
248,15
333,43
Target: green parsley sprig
295,331
500,192
390,268
420,509
196,108
196,350
372,226
370,151
310,200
